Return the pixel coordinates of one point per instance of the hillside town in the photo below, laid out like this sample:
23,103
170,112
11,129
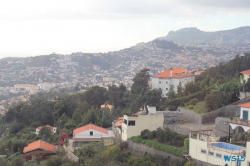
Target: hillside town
21,77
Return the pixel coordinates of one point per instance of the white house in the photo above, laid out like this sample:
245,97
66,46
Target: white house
246,76
53,129
244,119
133,125
91,133
205,150
170,79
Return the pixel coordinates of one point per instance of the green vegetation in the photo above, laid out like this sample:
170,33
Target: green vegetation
199,107
217,87
95,154
164,140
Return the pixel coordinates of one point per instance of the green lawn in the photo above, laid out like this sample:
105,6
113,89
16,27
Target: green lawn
198,108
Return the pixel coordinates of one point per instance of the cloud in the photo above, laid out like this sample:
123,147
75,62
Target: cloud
114,9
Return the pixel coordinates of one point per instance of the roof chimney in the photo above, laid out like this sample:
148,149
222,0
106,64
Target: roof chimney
171,72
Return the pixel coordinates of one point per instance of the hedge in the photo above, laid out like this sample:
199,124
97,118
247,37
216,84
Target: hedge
166,148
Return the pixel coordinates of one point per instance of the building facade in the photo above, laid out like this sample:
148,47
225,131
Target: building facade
133,125
205,150
170,79
91,133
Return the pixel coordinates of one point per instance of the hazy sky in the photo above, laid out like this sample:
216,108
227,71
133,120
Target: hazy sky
30,27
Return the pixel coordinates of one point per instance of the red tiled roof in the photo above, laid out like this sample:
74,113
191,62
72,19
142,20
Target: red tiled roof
246,105
39,128
88,127
176,73
246,72
107,106
120,118
39,145
118,124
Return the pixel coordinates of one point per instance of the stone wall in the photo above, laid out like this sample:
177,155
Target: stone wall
191,116
178,129
227,111
202,163
140,149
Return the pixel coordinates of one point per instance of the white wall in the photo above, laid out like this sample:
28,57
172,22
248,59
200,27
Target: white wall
142,122
195,147
244,109
166,82
246,77
86,134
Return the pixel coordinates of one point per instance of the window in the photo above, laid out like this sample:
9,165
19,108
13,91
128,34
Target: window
125,121
159,81
211,153
203,151
131,123
166,82
218,155
166,88
91,133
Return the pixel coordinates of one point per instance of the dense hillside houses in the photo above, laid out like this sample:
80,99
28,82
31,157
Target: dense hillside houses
169,80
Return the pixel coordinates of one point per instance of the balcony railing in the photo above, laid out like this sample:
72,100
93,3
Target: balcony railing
241,122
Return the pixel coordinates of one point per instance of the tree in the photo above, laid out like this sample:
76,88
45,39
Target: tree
45,133
140,81
77,117
213,101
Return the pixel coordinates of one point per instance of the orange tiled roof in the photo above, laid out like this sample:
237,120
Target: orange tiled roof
39,145
120,118
246,105
176,73
246,72
199,72
88,127
107,106
39,128
118,124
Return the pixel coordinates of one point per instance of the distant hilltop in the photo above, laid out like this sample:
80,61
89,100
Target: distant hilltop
193,36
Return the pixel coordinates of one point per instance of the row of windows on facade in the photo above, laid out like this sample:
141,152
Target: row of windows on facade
160,82
218,155
161,89
129,123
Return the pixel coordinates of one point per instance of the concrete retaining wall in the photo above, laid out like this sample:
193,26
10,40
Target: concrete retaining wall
140,149
178,129
190,115
227,111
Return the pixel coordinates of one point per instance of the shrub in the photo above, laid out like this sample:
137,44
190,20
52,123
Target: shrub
186,143
190,107
189,163
146,134
193,101
177,140
160,135
241,136
235,138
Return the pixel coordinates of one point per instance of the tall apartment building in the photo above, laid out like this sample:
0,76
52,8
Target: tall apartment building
170,79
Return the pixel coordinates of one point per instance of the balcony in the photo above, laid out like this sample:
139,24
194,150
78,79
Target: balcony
240,122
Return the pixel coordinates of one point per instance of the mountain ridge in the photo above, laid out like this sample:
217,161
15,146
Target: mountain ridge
194,36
